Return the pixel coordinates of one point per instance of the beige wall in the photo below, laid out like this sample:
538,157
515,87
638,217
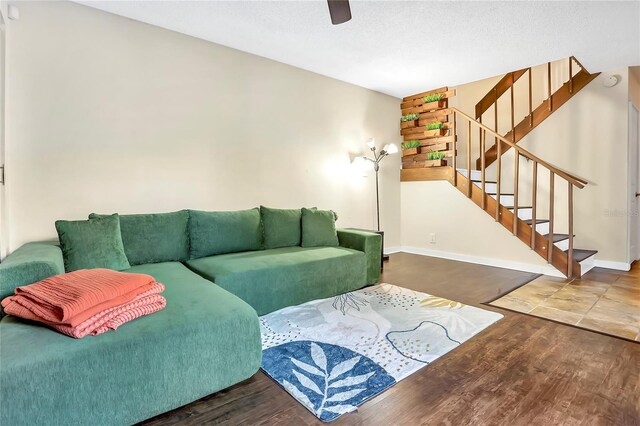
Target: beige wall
462,230
587,136
107,114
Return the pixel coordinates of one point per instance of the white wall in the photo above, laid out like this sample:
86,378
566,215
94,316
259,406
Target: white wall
107,114
587,136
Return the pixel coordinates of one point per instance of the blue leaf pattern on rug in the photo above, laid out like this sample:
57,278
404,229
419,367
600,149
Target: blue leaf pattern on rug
329,380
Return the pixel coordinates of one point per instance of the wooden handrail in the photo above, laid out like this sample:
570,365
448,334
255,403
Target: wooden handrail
578,182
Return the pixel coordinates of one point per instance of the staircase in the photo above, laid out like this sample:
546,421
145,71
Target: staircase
534,218
576,82
525,221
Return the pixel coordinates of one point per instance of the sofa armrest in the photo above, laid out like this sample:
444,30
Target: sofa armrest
29,264
368,242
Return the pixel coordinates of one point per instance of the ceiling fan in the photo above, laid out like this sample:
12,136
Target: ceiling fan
340,11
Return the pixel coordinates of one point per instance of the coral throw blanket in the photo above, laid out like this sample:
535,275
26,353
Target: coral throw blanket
88,301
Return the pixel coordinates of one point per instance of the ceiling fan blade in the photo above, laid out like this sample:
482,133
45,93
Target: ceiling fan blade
340,11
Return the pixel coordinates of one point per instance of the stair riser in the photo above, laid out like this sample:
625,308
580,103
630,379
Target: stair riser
542,228
588,264
563,245
505,200
488,186
475,174
524,213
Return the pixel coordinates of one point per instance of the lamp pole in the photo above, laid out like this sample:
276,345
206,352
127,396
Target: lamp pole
377,157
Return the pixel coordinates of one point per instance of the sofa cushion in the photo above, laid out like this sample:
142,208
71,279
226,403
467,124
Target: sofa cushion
318,228
93,243
205,340
272,279
282,227
224,232
155,237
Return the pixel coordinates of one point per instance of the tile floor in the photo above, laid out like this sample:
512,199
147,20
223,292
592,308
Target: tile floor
603,300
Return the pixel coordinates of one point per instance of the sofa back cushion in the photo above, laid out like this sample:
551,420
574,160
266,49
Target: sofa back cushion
214,233
282,227
155,237
93,243
319,228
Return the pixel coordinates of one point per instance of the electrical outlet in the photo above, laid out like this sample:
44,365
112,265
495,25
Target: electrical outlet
432,238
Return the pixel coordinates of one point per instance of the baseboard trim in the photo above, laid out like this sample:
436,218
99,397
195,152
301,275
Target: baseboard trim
608,264
391,250
487,261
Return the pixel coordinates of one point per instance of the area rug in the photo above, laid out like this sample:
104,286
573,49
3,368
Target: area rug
334,354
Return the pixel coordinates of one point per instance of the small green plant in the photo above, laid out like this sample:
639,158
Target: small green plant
432,98
435,125
411,144
410,117
435,155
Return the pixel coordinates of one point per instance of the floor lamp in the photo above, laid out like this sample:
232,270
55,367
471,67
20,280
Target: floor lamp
374,162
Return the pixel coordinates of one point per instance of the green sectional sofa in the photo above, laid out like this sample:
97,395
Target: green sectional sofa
206,339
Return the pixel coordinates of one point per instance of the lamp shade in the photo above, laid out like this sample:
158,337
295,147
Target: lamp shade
392,148
371,143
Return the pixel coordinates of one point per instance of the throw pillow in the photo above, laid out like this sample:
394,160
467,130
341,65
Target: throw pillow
214,233
282,227
93,243
155,237
318,228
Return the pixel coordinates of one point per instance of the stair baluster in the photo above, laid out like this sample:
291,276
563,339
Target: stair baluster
570,74
570,262
483,170
516,171
551,212
513,115
549,86
530,103
534,201
469,159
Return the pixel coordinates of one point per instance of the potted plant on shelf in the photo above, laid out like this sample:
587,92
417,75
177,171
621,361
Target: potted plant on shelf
435,129
410,147
409,120
435,159
433,102
435,125
432,98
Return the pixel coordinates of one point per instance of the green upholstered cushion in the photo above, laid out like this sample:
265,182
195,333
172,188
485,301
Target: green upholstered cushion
224,232
282,227
205,340
318,228
93,243
368,242
155,237
269,280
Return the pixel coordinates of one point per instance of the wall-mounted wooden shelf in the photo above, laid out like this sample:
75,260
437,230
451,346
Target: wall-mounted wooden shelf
416,164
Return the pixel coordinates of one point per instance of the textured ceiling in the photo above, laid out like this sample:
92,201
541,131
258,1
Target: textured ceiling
400,47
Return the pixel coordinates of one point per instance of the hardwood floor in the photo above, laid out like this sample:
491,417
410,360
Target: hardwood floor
521,371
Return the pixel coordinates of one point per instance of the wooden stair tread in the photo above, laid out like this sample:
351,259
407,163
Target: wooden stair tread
557,237
486,181
519,208
530,221
579,254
